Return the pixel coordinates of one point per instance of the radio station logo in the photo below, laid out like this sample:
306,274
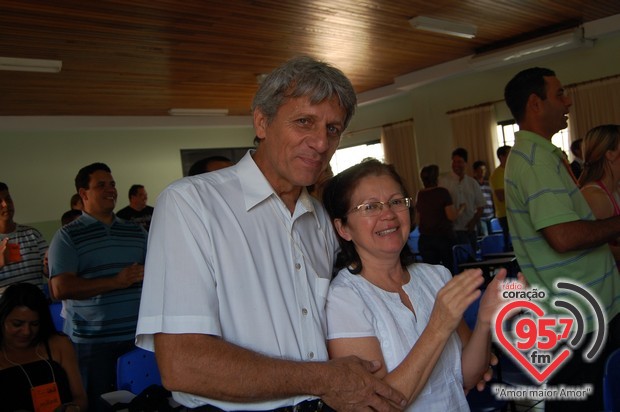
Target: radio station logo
540,342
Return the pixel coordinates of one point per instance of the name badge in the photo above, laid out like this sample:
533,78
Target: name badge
45,398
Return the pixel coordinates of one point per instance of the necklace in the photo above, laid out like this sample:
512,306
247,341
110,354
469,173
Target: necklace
24,370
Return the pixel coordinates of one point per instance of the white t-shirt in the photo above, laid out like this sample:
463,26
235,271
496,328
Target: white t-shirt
226,258
357,308
466,191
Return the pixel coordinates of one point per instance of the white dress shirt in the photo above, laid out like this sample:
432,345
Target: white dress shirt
226,258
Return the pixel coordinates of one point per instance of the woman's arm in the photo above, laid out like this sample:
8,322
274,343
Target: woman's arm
68,360
411,375
451,213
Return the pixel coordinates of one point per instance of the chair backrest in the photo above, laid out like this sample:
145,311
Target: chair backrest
611,382
55,309
495,227
492,244
136,370
412,242
462,253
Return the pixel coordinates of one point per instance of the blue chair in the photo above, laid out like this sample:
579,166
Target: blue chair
611,383
55,309
136,370
462,253
492,244
494,226
414,238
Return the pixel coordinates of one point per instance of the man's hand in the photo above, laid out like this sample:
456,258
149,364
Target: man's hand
351,387
130,275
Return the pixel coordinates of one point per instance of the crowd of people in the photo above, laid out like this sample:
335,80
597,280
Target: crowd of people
271,283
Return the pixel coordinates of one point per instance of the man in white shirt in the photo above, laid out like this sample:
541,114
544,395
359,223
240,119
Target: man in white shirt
466,196
240,260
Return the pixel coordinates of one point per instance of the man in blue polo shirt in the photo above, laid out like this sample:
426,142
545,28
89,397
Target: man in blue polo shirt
97,267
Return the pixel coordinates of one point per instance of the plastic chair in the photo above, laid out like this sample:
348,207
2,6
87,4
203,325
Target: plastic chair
492,244
55,309
412,242
136,370
462,253
611,383
494,226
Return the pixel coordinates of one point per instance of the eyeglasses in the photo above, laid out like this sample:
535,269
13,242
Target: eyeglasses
374,208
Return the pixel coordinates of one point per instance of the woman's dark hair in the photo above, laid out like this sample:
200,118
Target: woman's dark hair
337,200
30,296
429,175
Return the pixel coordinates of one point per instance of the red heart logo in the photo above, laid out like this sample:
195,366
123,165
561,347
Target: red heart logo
539,375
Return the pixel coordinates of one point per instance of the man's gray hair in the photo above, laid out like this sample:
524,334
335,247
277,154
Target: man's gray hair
304,76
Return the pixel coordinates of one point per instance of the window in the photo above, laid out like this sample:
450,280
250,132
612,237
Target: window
349,156
506,136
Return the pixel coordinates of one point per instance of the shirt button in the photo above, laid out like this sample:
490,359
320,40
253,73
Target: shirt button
311,355
304,311
297,266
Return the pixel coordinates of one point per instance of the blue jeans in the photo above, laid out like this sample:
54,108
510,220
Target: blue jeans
97,362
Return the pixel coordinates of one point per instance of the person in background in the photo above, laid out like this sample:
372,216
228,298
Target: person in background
69,216
209,164
488,212
601,174
240,259
137,211
467,196
577,164
76,202
554,234
23,247
410,315
35,359
96,268
435,213
499,198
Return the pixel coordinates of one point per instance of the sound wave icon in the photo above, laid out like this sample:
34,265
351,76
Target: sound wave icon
601,329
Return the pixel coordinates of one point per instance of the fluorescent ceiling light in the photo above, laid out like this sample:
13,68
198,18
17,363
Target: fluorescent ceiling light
452,28
30,65
544,46
198,112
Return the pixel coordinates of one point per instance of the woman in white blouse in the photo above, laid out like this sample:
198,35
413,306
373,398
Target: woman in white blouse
382,306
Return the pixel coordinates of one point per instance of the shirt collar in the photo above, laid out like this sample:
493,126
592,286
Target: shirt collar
537,139
256,188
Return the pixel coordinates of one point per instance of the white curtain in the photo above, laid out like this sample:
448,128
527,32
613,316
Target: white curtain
399,147
594,103
475,129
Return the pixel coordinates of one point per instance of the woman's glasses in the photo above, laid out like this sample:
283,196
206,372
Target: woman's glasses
374,208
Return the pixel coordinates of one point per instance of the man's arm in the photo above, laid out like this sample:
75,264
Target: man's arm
70,286
208,366
499,194
581,234
471,225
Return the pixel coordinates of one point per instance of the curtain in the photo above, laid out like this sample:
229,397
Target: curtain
475,129
594,103
399,148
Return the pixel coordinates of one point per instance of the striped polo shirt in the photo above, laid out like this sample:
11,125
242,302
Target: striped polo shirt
541,193
92,249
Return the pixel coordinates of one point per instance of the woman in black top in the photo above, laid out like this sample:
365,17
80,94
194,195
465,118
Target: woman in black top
38,366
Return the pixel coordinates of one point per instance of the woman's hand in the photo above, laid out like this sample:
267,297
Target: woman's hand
454,298
492,300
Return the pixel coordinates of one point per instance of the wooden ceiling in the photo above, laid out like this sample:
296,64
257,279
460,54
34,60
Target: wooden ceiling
143,57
